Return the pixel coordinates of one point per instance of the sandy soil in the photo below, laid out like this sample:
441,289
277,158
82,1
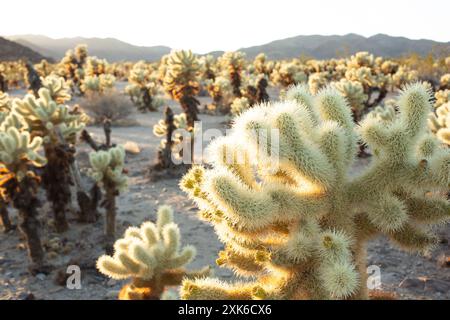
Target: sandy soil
409,276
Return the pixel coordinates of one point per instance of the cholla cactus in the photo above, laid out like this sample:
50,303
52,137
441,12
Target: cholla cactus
289,73
58,127
167,129
208,69
5,105
143,89
181,82
445,82
95,66
442,97
3,81
32,78
439,123
239,105
233,64
317,81
108,172
19,155
220,91
58,88
385,113
294,219
72,64
353,91
43,68
151,256
98,84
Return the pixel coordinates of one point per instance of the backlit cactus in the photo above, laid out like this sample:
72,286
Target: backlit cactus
232,63
439,123
290,214
353,92
19,155
143,88
181,81
58,126
98,84
239,105
151,256
107,170
57,87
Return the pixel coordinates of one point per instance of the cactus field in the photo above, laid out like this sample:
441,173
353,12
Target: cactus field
225,176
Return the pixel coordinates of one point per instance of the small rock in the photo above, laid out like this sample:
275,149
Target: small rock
26,296
131,147
111,282
156,201
444,261
413,283
435,285
41,276
112,294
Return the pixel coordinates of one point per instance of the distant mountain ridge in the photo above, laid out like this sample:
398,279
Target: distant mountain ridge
109,48
10,50
326,47
316,46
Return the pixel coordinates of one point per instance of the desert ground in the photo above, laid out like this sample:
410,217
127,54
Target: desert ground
409,276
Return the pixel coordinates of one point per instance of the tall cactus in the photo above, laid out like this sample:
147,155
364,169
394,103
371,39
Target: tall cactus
151,257
54,122
181,82
294,219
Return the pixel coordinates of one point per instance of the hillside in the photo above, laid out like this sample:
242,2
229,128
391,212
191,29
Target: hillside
109,48
317,46
326,47
10,50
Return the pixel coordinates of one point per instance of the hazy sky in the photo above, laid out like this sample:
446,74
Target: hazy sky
206,25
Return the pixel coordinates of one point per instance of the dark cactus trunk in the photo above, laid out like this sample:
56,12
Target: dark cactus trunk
23,195
57,181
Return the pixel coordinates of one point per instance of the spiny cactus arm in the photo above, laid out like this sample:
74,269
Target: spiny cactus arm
301,94
214,289
17,146
58,88
428,208
414,238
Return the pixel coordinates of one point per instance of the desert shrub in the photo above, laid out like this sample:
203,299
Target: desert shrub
111,106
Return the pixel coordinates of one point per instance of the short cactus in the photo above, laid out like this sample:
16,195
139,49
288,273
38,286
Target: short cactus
294,219
107,170
150,255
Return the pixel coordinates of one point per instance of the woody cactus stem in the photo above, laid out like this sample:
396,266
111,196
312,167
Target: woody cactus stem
111,213
24,199
4,216
165,154
263,96
57,180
